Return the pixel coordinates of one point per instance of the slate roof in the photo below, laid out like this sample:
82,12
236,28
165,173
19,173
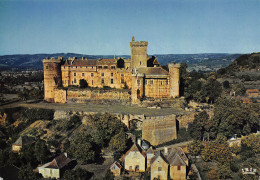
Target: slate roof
152,71
79,62
174,157
176,160
24,140
59,162
159,154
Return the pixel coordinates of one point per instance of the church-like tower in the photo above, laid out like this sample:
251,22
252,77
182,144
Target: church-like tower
52,77
139,55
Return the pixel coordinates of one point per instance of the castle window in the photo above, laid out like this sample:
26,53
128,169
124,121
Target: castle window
102,81
113,67
122,81
62,82
112,74
112,81
92,67
83,74
159,168
47,67
178,167
151,82
102,74
75,80
64,67
99,67
138,82
92,82
145,81
75,74
71,82
122,75
166,82
105,67
92,74
86,66
161,83
76,66
65,81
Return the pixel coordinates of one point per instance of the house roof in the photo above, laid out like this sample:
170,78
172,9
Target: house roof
116,164
176,160
79,62
157,155
150,150
24,140
252,91
174,157
152,71
59,162
135,148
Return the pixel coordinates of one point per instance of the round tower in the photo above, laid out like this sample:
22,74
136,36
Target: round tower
174,72
52,77
139,55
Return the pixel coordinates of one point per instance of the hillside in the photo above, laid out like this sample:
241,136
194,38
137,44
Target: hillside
204,62
247,62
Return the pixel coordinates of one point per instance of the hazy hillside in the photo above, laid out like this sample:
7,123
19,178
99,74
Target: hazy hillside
205,62
247,62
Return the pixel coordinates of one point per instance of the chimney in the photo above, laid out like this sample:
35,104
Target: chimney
139,141
165,150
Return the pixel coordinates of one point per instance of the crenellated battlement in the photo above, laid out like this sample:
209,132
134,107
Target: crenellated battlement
139,43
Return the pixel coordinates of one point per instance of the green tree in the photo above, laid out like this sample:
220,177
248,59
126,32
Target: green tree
81,148
41,151
109,176
232,117
118,142
195,148
211,90
200,125
83,83
78,174
26,172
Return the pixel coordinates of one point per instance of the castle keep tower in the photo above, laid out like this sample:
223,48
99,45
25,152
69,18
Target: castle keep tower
174,72
52,77
139,55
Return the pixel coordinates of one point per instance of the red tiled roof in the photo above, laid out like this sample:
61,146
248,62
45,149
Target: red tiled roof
59,162
252,91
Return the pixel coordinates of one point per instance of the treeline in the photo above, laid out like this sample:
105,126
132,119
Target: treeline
230,117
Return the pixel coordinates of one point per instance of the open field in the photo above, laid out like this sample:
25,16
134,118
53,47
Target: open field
120,109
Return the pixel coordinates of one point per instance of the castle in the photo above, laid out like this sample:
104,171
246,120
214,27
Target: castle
141,74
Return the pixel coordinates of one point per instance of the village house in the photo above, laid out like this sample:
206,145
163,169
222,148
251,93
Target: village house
116,168
56,167
135,159
21,142
252,93
170,163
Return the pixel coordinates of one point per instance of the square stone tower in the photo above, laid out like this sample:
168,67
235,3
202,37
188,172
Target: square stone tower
139,55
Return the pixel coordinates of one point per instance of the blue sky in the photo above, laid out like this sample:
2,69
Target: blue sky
105,27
